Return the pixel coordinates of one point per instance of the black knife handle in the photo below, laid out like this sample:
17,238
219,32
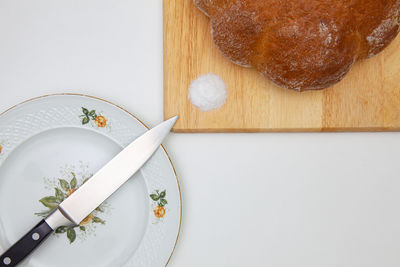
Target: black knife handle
25,245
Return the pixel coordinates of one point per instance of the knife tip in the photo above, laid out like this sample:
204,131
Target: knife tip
174,119
170,122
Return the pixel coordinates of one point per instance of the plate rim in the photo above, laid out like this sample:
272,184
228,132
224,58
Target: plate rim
136,118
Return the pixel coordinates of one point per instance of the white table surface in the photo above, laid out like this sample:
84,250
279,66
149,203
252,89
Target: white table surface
248,199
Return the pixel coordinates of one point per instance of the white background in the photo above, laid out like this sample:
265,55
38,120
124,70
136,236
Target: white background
248,199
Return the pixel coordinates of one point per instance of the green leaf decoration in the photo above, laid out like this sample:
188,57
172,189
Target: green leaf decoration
73,182
99,209
43,213
163,194
82,228
64,185
85,111
71,234
61,229
49,202
85,120
163,202
59,194
98,220
154,197
93,114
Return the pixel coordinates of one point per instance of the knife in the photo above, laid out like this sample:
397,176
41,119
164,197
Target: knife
91,194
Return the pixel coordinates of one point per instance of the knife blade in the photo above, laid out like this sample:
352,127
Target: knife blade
91,194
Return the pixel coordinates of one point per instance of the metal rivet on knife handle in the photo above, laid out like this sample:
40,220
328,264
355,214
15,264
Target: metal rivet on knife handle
6,260
35,236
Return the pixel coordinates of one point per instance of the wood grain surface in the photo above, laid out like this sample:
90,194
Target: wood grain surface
368,99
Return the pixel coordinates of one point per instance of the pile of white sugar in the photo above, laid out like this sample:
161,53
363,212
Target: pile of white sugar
207,92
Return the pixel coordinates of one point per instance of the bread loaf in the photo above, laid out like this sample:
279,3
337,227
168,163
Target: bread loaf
302,44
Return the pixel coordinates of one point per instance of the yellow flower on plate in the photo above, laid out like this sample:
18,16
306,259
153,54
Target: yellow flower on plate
159,212
87,220
100,121
72,190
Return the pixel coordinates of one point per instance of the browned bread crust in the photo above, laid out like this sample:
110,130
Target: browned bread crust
302,44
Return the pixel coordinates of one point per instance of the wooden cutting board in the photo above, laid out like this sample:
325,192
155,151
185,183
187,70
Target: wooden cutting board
368,99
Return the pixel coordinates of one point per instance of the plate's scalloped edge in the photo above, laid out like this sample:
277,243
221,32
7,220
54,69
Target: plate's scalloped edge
123,109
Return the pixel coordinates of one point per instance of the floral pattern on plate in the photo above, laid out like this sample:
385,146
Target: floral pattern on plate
63,188
98,120
159,203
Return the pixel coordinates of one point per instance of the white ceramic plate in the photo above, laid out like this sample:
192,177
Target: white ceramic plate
49,146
